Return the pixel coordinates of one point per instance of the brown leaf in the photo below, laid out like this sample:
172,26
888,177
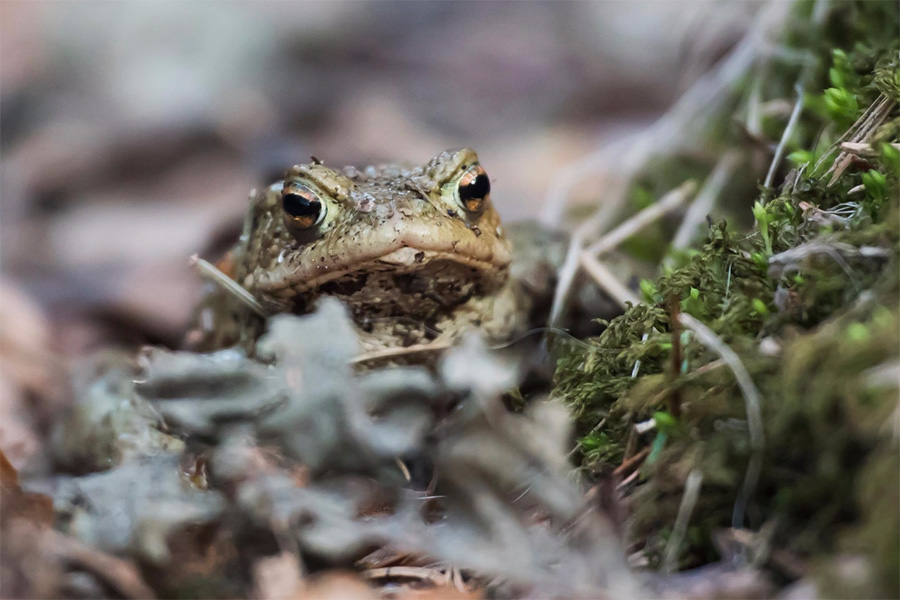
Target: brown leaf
15,503
25,340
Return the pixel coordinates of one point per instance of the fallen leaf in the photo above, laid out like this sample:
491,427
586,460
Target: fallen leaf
16,503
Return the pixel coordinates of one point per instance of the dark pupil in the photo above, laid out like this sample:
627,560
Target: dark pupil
476,189
300,206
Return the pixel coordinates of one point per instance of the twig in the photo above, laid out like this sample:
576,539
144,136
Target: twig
704,369
669,202
603,276
631,462
664,136
866,127
685,509
850,133
785,136
687,377
397,352
705,199
753,405
860,149
789,259
668,133
594,429
607,281
228,284
403,469
567,273
627,480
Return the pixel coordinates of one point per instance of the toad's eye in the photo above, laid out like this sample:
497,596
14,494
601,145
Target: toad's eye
302,207
473,190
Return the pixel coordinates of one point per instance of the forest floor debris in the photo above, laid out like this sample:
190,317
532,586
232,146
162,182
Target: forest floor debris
737,426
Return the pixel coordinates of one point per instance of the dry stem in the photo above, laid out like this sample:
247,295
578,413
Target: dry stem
863,149
685,510
400,351
705,199
785,136
228,284
862,130
669,202
598,271
753,404
664,137
607,281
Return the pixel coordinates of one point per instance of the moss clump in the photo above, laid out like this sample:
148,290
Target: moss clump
808,300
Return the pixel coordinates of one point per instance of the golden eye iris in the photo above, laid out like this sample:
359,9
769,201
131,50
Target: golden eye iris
302,207
474,189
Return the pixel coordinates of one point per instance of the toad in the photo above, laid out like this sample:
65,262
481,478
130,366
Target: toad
416,253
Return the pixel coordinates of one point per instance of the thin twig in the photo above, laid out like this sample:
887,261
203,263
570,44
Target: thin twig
753,404
603,276
685,509
593,430
398,352
850,133
704,369
785,136
863,149
668,133
607,281
705,199
627,480
627,464
403,469
228,284
791,258
669,202
665,136
566,277
865,127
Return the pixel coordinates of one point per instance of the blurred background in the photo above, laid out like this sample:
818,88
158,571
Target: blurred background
133,132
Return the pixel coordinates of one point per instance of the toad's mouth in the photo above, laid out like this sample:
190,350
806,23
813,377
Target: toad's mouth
399,244
307,276
406,261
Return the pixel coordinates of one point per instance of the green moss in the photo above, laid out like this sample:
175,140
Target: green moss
818,274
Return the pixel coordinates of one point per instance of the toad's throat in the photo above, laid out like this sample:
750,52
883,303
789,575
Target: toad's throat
429,290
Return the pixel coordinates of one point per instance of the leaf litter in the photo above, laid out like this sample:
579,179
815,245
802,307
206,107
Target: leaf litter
230,475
